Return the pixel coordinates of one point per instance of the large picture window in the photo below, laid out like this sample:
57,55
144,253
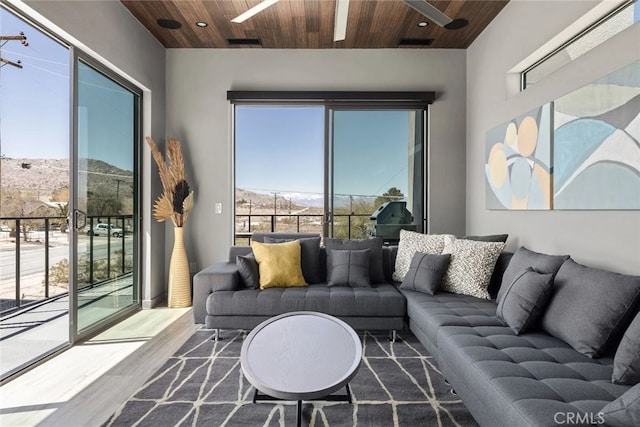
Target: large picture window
326,168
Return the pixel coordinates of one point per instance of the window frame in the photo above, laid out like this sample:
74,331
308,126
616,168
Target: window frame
598,23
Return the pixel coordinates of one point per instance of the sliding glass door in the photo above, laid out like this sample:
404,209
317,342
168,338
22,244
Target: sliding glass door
106,203
375,156
326,169
69,140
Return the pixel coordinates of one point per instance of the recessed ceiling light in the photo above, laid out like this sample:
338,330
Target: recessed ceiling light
422,24
169,24
201,24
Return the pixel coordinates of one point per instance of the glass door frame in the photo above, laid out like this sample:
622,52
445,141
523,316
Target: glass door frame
330,109
74,333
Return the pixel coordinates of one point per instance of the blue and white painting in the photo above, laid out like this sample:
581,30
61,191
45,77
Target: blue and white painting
596,144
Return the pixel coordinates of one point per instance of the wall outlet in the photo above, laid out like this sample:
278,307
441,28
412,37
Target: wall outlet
192,267
218,207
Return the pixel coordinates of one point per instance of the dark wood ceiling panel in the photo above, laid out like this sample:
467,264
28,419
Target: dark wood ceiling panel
309,24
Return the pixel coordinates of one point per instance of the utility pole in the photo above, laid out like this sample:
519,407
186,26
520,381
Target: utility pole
4,40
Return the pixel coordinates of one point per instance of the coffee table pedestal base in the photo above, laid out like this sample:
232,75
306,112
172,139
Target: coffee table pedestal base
261,397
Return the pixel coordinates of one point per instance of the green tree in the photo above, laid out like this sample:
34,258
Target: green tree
391,194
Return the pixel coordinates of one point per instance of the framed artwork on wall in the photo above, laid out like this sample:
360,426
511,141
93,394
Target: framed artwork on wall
597,144
518,162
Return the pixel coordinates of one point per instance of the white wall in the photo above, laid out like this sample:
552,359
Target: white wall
198,113
107,31
605,239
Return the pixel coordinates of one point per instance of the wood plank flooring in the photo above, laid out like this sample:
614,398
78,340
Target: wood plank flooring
85,384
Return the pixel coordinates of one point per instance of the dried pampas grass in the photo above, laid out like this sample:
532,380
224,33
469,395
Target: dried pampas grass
176,200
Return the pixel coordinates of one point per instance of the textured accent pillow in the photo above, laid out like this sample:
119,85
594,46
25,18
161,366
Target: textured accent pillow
471,266
523,258
349,268
309,257
524,301
426,273
376,271
412,242
625,410
626,363
591,308
279,264
248,269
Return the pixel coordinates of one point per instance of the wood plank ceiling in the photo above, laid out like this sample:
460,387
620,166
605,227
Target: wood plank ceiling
308,24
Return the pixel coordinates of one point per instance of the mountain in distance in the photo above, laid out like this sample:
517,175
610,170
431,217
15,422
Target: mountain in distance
44,176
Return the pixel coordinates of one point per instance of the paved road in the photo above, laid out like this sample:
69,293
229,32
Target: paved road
32,259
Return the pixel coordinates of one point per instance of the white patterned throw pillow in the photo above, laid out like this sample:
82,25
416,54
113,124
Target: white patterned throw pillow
471,266
412,242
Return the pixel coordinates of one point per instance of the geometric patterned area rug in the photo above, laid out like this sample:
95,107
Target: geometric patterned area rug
398,384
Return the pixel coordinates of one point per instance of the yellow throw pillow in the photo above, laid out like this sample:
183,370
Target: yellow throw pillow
279,264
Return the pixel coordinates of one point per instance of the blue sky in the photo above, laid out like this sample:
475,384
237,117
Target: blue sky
34,103
282,149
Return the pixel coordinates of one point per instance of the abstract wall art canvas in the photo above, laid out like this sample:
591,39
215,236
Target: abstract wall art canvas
597,144
518,162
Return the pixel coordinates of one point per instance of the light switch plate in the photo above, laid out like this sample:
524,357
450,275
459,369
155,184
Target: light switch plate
218,207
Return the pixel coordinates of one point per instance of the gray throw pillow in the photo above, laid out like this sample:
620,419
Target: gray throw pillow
625,410
412,242
426,272
626,363
249,271
349,268
376,271
309,256
488,238
523,258
591,308
525,300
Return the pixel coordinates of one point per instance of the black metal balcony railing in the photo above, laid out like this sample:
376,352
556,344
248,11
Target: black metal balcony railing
345,226
26,229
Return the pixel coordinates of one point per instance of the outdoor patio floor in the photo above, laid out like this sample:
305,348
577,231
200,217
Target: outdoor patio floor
44,327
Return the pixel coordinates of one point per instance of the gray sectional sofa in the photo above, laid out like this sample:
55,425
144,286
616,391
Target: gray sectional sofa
504,379
220,301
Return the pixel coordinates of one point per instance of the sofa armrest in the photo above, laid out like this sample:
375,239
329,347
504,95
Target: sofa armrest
221,276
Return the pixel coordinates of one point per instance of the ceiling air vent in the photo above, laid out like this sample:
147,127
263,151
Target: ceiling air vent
244,42
415,42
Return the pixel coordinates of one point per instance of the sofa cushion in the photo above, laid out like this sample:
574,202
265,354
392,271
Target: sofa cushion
309,256
626,363
471,266
625,410
376,271
431,312
349,268
523,258
523,303
526,379
377,300
425,272
411,242
248,270
591,308
279,264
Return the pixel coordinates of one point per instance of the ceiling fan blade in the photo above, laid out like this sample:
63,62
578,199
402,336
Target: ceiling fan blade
429,11
340,23
254,10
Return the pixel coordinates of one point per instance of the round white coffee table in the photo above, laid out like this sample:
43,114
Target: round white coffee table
299,356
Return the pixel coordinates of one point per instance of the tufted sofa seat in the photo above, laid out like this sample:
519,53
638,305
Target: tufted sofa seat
427,313
524,380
